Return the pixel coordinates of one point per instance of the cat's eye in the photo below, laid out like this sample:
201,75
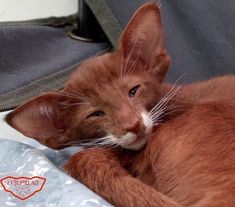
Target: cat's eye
133,91
96,113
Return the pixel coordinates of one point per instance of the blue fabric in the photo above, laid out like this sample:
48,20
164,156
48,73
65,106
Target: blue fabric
60,190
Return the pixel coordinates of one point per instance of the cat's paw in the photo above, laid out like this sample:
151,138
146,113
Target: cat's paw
85,164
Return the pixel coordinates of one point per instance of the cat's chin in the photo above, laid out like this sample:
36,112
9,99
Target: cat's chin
137,145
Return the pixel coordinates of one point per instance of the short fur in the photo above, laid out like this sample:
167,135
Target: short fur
154,144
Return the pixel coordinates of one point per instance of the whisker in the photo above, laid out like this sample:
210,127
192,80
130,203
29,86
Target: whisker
118,69
161,109
100,144
86,141
166,108
165,114
97,141
122,62
132,68
72,104
130,54
70,95
164,101
166,111
78,94
169,95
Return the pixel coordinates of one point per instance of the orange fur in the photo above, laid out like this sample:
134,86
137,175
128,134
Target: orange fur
189,157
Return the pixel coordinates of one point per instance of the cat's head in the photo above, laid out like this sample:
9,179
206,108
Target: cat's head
108,97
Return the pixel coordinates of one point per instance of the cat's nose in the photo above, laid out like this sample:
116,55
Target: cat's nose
134,127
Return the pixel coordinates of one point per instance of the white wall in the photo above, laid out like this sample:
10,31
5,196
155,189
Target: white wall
18,10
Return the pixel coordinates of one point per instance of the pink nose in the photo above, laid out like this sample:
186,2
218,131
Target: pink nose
135,127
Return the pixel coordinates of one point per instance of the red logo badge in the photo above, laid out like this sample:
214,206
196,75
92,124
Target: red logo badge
23,187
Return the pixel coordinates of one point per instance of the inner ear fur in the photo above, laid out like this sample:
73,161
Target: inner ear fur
42,118
143,39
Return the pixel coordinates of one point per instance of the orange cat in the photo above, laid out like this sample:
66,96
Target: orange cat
155,144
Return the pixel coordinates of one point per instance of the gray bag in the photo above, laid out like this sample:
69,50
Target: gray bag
200,38
200,35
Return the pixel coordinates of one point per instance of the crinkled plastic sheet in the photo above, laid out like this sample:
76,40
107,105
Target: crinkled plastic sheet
60,190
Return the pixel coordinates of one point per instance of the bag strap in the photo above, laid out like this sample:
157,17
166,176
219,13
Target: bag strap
106,19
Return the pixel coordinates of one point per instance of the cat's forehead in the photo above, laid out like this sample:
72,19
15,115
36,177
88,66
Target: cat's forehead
93,69
105,72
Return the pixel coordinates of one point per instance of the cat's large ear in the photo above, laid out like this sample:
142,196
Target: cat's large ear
41,118
143,39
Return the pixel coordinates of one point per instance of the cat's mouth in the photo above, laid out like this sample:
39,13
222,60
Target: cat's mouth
133,141
137,141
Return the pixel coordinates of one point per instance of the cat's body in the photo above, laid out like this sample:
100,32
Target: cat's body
182,139
193,163
190,158
214,89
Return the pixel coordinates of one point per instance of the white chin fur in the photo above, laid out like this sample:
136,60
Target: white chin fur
148,122
129,140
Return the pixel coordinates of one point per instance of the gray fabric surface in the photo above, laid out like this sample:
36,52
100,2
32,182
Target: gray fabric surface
200,35
34,59
31,53
200,38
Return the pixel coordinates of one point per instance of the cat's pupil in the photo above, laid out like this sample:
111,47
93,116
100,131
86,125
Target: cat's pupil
97,113
133,91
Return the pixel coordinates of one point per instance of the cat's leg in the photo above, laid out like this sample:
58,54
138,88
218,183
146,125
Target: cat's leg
101,171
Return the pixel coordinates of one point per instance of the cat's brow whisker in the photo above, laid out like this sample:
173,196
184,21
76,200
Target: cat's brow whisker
132,68
130,54
73,104
118,70
80,95
122,72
